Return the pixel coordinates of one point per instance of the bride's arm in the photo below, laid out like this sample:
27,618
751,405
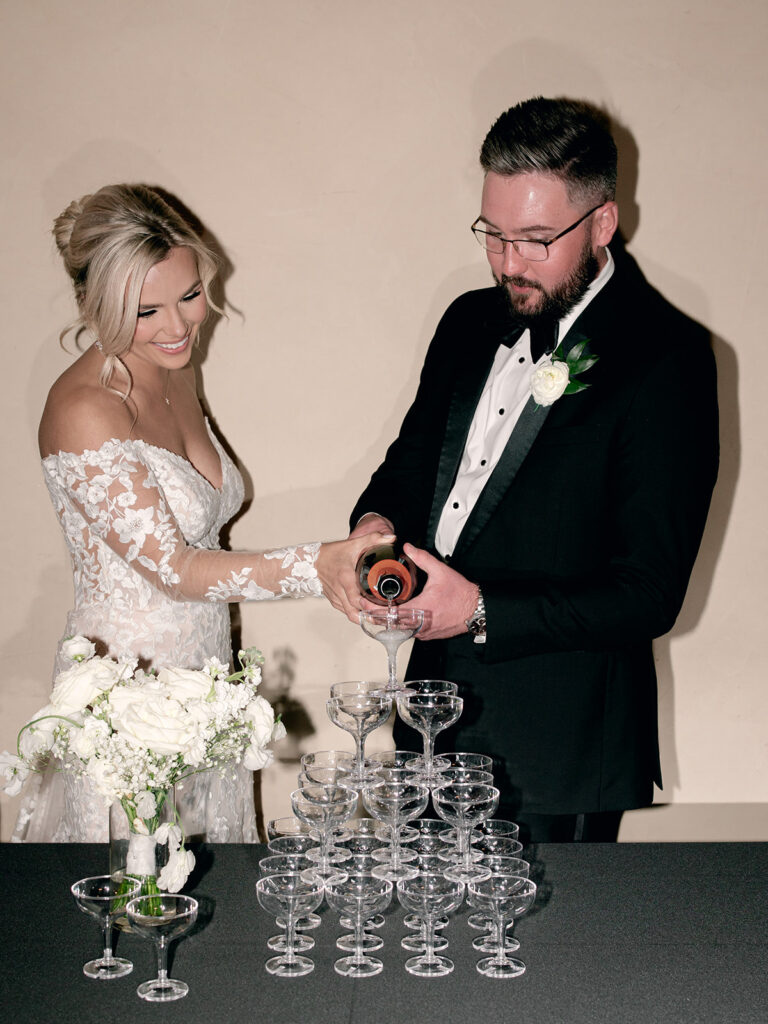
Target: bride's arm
123,506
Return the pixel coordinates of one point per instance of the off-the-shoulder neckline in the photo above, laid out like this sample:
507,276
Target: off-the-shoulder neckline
156,447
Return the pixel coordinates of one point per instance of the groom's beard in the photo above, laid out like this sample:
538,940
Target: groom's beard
557,302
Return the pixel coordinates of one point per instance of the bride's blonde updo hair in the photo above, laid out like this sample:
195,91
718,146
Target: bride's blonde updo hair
109,241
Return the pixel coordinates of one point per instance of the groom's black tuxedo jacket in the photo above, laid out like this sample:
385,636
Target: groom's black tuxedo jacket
582,542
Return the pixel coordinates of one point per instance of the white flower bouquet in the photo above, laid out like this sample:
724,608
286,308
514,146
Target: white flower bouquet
135,734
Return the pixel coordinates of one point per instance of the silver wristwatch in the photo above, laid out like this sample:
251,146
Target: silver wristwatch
476,622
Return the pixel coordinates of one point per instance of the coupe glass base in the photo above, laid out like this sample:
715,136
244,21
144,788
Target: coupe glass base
417,944
162,990
394,874
369,945
437,967
489,944
294,968
491,967
351,967
466,872
302,943
106,970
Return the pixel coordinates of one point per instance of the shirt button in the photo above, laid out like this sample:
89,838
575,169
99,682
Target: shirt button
521,359
483,462
455,504
501,412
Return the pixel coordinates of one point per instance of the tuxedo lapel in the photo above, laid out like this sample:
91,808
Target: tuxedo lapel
496,330
519,444
462,409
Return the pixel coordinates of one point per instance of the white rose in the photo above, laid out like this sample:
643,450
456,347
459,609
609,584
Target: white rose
184,683
261,717
37,735
122,697
548,382
78,686
145,804
278,732
13,771
158,723
78,648
86,741
176,871
255,758
105,779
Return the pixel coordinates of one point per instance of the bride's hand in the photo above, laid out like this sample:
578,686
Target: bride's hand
335,566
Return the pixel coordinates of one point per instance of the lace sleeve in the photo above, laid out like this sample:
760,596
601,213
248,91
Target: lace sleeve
117,501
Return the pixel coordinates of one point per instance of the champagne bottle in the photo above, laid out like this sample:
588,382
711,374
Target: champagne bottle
387,576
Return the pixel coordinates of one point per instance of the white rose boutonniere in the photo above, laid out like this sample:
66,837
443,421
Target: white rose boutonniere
557,377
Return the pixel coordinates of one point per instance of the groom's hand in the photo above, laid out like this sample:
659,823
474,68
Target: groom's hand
448,598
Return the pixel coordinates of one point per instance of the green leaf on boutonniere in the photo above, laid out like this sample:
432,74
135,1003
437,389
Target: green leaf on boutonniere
573,386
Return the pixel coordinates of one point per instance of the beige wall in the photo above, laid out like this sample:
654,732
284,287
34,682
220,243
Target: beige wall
331,146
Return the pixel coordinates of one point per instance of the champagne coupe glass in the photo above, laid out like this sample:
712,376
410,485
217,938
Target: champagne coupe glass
464,775
464,805
290,897
162,919
429,895
425,863
506,897
360,864
324,808
489,942
292,844
104,898
359,897
289,825
290,864
395,803
355,687
429,714
359,714
322,760
464,759
392,627
364,836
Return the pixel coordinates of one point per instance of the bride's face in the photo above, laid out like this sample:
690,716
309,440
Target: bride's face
171,308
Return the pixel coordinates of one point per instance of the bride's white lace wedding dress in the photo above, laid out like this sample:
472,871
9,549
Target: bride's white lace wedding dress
151,582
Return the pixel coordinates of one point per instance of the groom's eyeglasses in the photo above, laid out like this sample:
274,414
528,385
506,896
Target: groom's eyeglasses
492,241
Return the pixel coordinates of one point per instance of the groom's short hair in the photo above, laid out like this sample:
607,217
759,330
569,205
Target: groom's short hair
569,139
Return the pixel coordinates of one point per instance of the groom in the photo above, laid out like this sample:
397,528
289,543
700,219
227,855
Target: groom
558,527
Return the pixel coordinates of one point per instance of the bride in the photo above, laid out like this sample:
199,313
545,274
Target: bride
142,488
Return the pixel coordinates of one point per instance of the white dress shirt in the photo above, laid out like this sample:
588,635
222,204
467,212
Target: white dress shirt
501,404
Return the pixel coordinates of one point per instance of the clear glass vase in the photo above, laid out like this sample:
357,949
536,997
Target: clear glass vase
136,853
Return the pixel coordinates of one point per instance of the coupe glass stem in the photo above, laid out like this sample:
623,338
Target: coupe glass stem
359,956
392,669
429,751
429,938
396,829
359,743
463,844
500,959
107,928
289,956
162,959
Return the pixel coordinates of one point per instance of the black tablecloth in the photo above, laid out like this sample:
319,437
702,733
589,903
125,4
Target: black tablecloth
621,934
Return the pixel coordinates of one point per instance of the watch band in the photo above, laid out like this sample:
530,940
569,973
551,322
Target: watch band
476,623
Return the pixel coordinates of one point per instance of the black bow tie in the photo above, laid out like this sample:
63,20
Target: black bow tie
543,338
